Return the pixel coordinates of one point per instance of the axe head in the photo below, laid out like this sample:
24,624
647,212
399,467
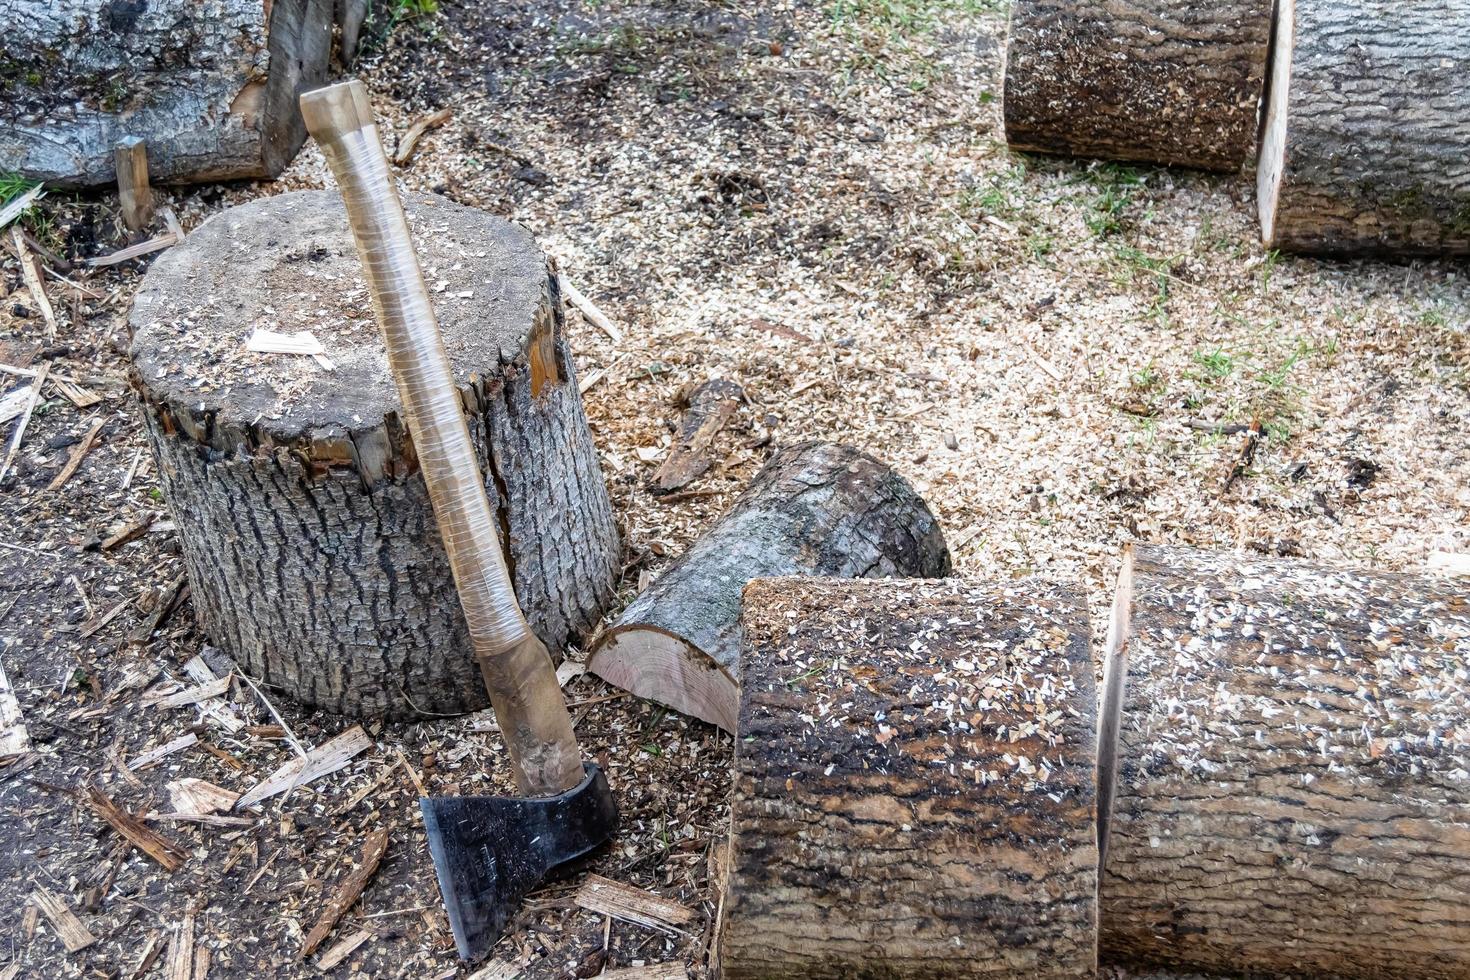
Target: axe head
489,851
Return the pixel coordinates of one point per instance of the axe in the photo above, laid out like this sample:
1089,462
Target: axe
488,851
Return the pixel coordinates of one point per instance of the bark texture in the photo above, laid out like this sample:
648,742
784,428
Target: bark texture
312,551
914,783
1291,794
1160,81
211,86
1366,146
816,508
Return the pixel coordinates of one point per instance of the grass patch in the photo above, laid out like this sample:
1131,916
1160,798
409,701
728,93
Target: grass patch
889,37
13,186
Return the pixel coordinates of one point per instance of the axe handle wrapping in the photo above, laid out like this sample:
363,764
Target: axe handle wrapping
518,672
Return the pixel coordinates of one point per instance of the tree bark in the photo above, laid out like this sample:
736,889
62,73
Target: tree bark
211,87
1159,81
914,783
816,508
1288,789
1366,146
312,552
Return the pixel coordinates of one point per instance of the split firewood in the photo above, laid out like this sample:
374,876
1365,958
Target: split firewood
1283,746
156,755
75,393
179,965
215,709
189,695
710,406
130,531
1162,81
197,796
68,928
422,125
135,196
814,509
164,851
155,244
79,452
14,738
628,904
348,891
321,761
25,419
1367,106
914,788
30,271
340,951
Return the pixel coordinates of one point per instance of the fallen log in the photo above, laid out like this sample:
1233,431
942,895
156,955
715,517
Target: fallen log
914,783
313,558
816,508
212,88
1283,747
1159,81
1367,129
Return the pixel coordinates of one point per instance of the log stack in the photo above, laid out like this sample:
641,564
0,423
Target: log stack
312,553
1366,145
211,87
1157,81
816,508
1284,753
914,783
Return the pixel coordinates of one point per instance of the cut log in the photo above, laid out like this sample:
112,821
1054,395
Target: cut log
1158,81
211,87
1366,143
313,557
914,783
815,509
1290,794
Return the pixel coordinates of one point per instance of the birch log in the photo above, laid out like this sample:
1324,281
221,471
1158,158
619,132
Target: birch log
312,552
1159,81
210,85
1366,146
914,783
1289,791
816,508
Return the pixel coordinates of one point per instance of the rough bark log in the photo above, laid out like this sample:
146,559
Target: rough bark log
1160,81
815,509
211,86
312,552
914,783
1290,794
1366,144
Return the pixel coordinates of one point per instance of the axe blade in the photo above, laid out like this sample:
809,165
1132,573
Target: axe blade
489,851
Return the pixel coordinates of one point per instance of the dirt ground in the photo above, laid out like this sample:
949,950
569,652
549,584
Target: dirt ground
816,201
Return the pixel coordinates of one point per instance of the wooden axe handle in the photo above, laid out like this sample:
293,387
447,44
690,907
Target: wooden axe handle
517,669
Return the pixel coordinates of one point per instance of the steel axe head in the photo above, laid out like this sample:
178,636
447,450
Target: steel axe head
489,851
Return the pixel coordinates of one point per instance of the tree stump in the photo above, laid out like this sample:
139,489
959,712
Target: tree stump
1289,793
1367,129
816,508
311,548
211,87
1159,81
914,783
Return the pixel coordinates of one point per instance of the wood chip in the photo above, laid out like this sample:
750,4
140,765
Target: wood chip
348,891
78,453
25,419
96,623
422,125
164,851
496,971
14,738
30,270
589,310
339,952
659,971
197,796
74,393
155,244
131,531
323,760
149,956
302,342
153,756
569,671
14,403
214,709
180,962
68,928
20,204
189,695
1449,563
628,904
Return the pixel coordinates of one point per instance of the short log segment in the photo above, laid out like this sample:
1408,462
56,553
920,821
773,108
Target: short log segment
311,549
1290,794
914,783
816,508
1366,144
1158,81
211,87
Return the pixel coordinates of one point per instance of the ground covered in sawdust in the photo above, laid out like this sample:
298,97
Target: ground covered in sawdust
814,200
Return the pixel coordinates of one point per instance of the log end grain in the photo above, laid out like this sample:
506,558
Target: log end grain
662,667
914,790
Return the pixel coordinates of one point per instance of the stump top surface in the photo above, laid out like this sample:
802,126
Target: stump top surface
288,263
